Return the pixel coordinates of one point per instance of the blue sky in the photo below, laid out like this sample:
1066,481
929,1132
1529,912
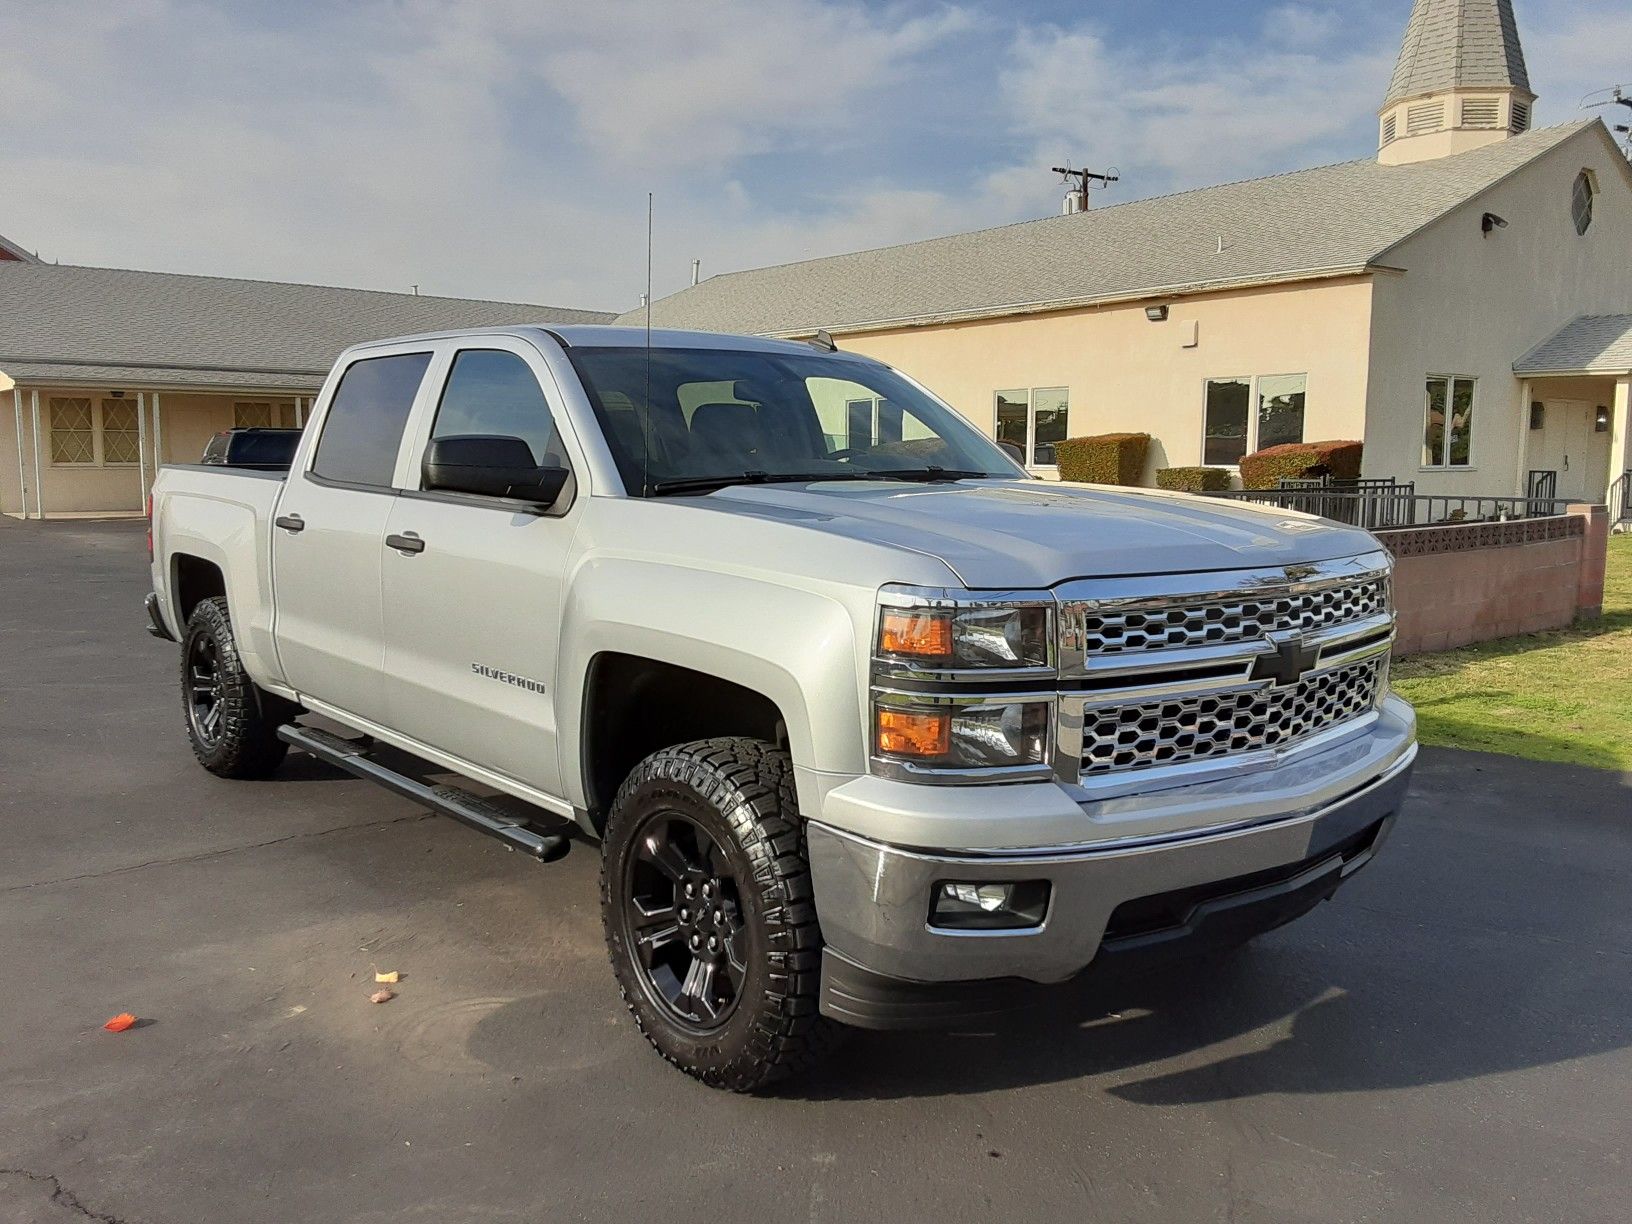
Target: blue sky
503,148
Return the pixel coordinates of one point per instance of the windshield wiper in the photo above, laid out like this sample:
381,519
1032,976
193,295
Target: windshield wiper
708,484
926,474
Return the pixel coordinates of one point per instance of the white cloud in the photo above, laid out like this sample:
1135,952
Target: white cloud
504,149
1171,119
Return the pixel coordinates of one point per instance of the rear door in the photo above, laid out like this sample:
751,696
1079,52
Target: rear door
330,532
473,613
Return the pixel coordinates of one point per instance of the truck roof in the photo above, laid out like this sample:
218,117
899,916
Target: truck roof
584,335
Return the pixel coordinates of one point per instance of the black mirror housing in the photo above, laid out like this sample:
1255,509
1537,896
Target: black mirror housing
491,465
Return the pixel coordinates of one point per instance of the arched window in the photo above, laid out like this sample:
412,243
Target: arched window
1581,201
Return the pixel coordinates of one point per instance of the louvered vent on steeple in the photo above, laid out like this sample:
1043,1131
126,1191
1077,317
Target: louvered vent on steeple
1461,81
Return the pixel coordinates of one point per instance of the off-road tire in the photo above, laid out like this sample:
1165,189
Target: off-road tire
245,743
740,792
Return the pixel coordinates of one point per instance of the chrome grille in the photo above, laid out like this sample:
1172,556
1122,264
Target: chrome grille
1184,729
1170,623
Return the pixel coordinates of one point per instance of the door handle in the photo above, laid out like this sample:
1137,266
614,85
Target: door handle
291,523
409,543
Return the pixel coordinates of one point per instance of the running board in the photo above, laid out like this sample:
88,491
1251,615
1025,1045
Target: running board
481,815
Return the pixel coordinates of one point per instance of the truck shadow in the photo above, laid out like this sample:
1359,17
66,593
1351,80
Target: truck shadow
1272,1018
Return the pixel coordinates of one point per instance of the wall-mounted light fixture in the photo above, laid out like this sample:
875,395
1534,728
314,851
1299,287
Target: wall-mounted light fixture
1490,221
1600,422
1156,314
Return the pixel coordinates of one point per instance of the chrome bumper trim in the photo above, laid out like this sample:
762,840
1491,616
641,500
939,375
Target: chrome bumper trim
874,898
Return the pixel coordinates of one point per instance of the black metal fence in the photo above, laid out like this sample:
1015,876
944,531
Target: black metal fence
1379,504
1620,500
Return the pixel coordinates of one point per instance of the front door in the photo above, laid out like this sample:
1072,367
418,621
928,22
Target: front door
329,535
473,603
1568,443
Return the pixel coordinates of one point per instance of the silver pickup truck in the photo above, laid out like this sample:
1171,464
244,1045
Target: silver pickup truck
871,728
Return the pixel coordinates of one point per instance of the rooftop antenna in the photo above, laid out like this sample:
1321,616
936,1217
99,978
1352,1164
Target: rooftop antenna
1076,200
646,423
1618,96
416,290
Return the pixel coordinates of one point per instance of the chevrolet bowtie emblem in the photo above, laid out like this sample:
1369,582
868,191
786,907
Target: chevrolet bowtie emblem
1287,665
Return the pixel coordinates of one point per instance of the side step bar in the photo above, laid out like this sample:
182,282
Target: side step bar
473,810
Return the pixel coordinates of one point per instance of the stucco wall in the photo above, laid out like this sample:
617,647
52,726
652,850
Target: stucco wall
1473,305
1127,373
188,421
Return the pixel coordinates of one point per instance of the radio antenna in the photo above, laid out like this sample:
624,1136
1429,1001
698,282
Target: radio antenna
646,418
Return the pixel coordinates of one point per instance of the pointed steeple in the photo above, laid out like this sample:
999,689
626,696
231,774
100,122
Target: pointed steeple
1460,82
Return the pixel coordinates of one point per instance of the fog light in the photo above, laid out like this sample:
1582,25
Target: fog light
961,905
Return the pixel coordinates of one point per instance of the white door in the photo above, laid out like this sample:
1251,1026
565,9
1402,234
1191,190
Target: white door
329,535
472,614
1562,445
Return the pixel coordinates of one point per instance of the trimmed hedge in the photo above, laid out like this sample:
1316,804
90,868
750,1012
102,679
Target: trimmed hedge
1193,479
1266,469
1112,459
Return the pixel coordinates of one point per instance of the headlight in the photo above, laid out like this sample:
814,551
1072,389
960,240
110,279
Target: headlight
944,637
962,733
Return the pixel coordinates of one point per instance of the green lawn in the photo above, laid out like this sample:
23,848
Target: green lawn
1564,696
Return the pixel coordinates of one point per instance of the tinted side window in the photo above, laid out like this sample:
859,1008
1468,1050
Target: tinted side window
490,391
363,429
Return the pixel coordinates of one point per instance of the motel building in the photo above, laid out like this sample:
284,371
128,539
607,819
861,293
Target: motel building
105,373
1461,300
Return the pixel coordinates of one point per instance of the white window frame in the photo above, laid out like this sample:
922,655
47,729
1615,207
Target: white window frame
1254,410
1030,447
99,459
1450,381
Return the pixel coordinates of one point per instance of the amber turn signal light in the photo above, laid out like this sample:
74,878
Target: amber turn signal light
914,733
906,632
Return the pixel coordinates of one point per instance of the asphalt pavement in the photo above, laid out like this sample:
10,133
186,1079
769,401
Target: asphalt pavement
1447,1041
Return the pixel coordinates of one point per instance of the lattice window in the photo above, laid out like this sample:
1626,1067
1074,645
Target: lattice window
73,438
246,415
121,436
1481,112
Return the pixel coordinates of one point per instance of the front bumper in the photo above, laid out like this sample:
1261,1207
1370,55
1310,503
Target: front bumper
1164,894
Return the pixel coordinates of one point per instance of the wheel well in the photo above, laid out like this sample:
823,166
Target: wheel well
634,706
195,580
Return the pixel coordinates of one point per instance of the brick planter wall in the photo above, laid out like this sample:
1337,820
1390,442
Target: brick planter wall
1462,583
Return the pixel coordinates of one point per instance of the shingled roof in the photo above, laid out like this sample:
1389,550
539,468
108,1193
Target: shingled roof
1329,221
109,325
1592,344
1453,44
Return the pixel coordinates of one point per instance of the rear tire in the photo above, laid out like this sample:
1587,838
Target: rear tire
710,919
232,724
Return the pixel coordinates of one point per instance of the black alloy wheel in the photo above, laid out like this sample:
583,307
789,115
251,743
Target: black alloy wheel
232,724
683,917
710,913
206,705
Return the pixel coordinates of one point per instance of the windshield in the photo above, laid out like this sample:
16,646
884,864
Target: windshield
724,416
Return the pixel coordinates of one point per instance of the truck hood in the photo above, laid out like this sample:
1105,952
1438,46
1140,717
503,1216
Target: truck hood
997,534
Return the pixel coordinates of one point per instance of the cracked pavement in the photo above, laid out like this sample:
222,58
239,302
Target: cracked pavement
1448,1040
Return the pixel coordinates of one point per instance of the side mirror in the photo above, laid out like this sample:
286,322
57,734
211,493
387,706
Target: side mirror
1013,451
491,465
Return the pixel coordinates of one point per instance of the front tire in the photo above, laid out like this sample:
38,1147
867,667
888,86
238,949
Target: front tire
232,724
710,920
